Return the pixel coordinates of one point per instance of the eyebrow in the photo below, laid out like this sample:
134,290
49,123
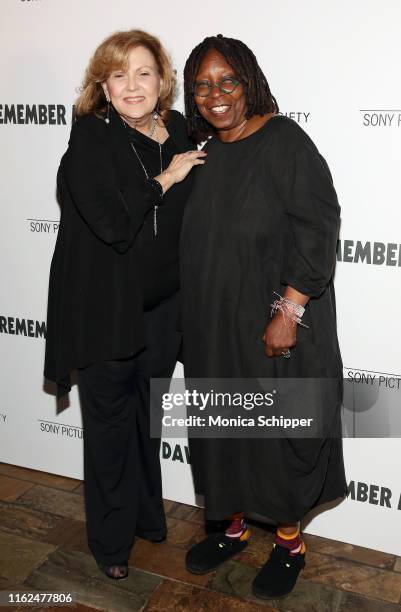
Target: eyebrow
225,76
140,68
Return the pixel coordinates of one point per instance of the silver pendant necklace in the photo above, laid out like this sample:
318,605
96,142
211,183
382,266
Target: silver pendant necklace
154,127
156,206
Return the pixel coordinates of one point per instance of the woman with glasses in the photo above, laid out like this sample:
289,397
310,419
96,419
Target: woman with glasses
260,229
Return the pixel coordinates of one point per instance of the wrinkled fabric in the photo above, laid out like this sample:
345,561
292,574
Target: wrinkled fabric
263,214
95,303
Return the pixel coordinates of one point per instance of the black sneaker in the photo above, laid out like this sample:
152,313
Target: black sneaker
279,574
212,552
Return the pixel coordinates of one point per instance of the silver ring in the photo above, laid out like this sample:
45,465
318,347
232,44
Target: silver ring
286,354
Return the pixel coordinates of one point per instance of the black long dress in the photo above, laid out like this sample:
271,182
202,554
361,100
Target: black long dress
263,214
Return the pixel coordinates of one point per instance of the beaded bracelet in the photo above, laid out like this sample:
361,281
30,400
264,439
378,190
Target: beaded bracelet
288,309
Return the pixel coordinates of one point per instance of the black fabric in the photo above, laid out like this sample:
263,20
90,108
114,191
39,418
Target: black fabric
159,258
95,305
122,479
263,213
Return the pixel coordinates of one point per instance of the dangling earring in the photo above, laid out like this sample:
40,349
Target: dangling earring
156,112
107,118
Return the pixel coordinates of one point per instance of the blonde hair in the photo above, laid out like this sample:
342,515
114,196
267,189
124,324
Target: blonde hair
112,54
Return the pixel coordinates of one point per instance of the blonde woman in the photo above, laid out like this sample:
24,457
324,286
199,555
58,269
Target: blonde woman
114,282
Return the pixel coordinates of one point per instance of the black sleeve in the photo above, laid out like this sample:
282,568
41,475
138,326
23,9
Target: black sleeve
313,215
177,128
88,170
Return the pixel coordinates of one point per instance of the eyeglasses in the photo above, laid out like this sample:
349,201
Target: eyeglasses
226,85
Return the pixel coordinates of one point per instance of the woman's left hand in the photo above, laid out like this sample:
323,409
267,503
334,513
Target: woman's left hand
280,335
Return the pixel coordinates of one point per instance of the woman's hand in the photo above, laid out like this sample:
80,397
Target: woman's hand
281,332
179,167
280,335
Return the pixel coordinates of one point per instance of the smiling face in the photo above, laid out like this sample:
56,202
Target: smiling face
225,112
134,92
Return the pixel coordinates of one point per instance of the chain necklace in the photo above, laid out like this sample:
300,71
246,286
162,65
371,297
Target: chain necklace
156,206
154,127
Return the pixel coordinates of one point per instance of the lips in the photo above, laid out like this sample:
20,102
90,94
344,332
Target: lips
134,99
220,109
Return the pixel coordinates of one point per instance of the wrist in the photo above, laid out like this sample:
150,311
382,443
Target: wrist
288,309
166,180
295,296
158,190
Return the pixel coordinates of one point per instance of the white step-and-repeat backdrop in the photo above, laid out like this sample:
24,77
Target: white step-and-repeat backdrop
334,68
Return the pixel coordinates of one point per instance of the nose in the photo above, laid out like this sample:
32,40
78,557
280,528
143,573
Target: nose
215,91
131,83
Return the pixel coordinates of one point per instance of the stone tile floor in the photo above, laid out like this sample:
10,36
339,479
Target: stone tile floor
43,547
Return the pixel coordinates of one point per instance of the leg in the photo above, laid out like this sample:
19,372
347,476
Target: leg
121,462
151,521
238,529
111,461
163,343
289,528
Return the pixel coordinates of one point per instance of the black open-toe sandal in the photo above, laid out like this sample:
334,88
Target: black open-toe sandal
116,571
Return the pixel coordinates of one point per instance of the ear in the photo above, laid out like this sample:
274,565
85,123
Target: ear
106,91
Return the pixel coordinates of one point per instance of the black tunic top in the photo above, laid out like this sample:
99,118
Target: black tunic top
159,255
263,214
95,303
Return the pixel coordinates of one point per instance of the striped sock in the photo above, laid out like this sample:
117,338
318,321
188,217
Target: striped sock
238,529
291,541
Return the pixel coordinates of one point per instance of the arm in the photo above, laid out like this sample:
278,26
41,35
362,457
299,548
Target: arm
89,174
313,216
112,215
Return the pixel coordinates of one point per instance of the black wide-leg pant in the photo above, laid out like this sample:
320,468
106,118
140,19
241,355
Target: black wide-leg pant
122,477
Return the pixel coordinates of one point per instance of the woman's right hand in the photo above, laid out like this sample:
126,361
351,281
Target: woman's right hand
179,167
